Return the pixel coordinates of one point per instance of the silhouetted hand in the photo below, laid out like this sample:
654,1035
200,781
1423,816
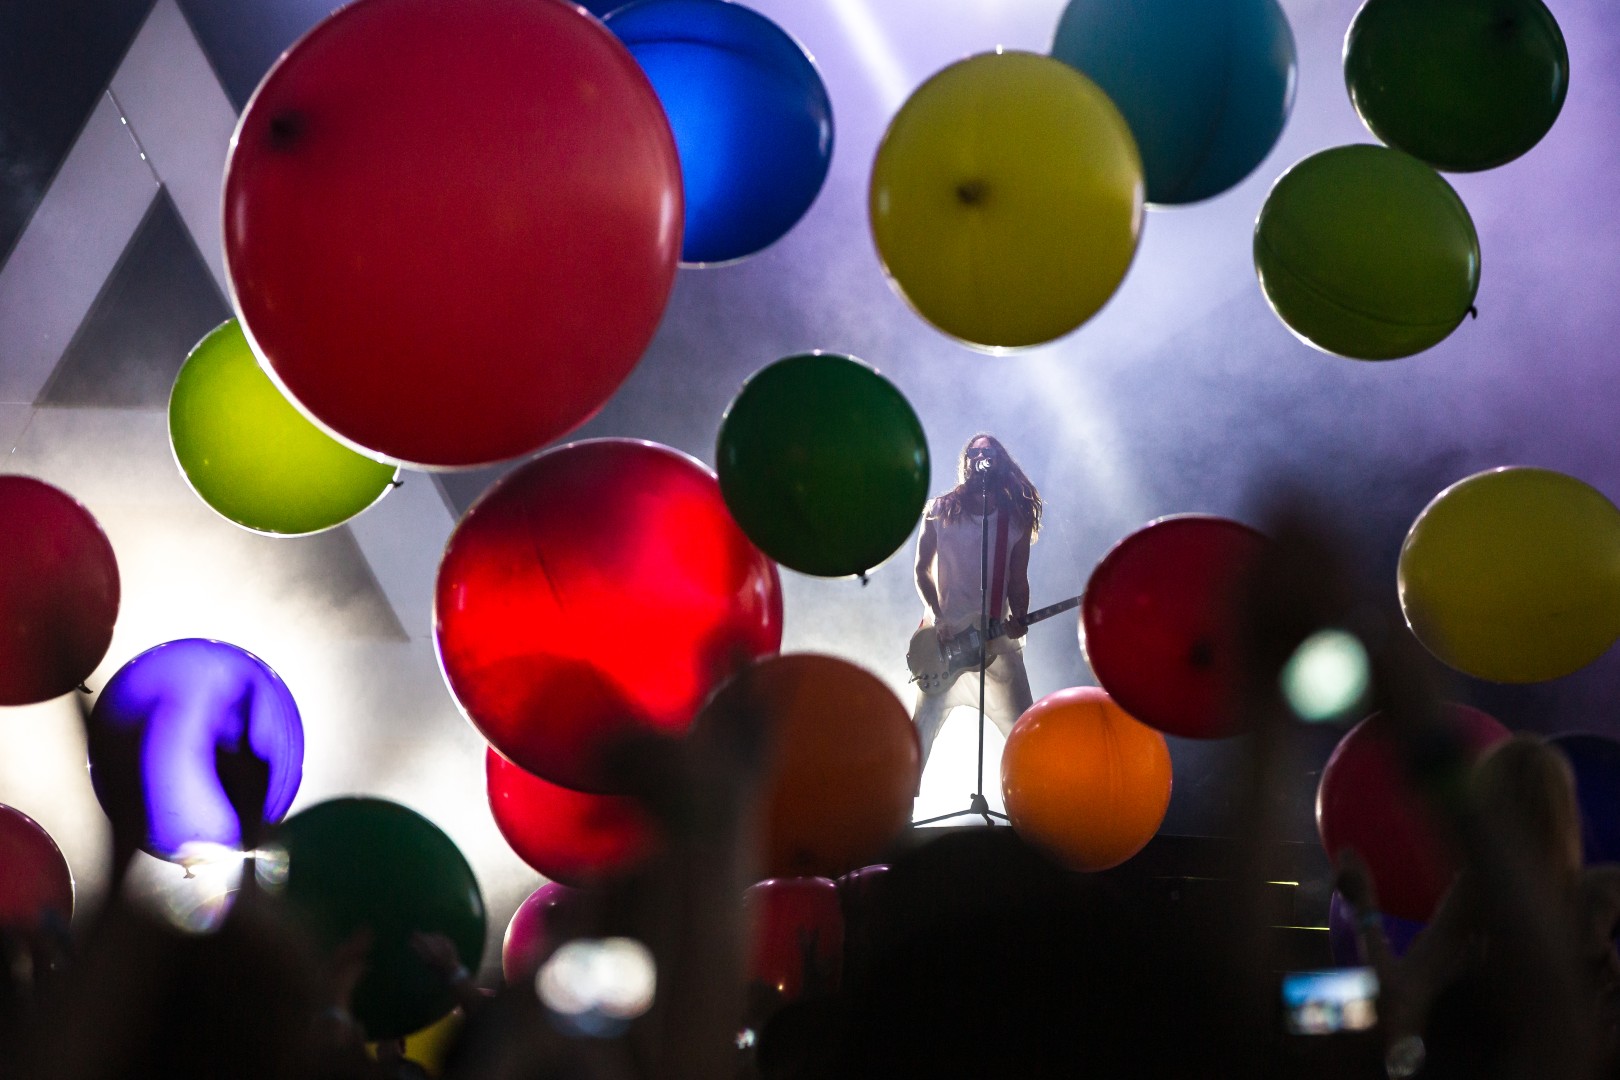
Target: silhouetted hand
244,775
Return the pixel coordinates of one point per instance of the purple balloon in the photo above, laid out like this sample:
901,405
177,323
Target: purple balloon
165,712
1342,933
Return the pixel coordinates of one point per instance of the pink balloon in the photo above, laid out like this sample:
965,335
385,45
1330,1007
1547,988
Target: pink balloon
535,931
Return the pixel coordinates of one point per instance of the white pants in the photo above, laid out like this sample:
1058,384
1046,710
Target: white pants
1006,696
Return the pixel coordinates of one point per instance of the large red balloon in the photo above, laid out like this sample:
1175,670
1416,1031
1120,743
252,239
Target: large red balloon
846,762
569,836
1157,627
1365,801
600,588
451,228
34,878
58,592
798,936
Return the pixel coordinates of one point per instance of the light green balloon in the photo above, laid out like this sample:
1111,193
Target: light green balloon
253,457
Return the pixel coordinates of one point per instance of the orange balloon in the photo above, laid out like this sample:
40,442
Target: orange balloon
845,768
1083,780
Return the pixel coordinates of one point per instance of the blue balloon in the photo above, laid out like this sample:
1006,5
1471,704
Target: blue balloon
176,703
1595,760
1344,942
1205,85
752,122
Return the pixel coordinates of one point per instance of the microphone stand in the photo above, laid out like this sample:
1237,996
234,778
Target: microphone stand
977,806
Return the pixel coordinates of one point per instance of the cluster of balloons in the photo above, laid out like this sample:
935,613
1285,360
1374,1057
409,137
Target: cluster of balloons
389,259
1510,575
1007,195
1365,251
604,589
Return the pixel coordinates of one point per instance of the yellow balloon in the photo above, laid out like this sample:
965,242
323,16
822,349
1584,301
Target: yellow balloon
431,1046
1513,575
1006,199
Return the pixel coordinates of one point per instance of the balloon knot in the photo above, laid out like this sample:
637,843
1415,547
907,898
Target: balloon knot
285,128
396,482
1473,312
865,581
972,192
83,689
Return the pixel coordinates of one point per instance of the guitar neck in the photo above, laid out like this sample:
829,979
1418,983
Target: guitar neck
1036,616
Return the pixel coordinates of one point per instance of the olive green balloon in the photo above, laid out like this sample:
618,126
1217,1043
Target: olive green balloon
253,457
823,463
365,862
1367,252
1461,84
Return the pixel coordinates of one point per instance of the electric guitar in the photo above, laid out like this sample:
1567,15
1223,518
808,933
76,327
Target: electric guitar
935,664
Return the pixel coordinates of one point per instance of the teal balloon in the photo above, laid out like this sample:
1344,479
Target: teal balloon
1366,252
823,464
1205,85
1461,84
366,862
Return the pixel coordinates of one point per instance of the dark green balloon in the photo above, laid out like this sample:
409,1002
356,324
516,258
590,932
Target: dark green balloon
356,862
1367,252
1461,84
823,463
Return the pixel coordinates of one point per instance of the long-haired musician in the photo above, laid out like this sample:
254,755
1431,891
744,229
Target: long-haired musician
948,579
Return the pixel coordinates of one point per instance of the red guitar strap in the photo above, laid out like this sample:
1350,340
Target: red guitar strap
998,579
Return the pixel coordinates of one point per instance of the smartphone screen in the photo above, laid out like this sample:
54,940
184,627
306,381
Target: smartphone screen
1323,1002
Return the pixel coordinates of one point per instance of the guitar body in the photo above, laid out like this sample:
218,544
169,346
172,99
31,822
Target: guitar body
935,666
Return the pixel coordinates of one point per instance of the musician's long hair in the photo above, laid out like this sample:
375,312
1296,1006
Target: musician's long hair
1012,491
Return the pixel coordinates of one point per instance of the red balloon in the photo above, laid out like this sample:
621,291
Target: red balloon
600,588
538,926
846,762
1366,802
451,228
569,836
34,877
58,592
1156,623
798,942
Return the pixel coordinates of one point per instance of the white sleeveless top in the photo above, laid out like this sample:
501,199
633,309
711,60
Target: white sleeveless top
956,569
